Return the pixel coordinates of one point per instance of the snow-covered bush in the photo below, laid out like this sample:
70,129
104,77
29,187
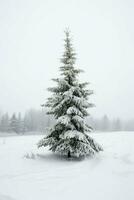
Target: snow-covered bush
29,155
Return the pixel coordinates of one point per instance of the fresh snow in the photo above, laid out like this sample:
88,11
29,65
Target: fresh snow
28,173
73,134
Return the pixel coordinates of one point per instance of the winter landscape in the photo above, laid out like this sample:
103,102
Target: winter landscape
66,103
30,173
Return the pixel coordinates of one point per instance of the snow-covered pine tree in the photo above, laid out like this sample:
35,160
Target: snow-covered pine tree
14,124
5,123
20,124
68,104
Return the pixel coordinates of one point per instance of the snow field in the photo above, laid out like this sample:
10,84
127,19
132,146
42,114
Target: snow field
28,173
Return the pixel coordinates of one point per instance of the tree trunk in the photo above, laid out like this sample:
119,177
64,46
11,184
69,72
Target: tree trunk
69,154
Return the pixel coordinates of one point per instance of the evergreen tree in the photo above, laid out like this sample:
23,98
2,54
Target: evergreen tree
105,123
69,104
19,124
14,123
117,125
4,123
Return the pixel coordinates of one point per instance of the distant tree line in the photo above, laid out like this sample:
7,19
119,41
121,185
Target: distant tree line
38,121
32,121
107,124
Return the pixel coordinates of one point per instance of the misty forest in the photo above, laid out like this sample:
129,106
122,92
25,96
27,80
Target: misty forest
37,122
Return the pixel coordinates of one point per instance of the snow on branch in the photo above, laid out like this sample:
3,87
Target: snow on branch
73,110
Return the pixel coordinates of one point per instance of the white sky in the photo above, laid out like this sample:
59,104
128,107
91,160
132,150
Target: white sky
31,43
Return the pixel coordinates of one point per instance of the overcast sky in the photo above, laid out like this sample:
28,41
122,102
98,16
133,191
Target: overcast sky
31,44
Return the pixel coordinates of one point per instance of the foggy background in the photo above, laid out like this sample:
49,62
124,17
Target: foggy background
31,45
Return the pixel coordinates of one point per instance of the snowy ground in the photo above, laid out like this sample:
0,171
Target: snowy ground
44,176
